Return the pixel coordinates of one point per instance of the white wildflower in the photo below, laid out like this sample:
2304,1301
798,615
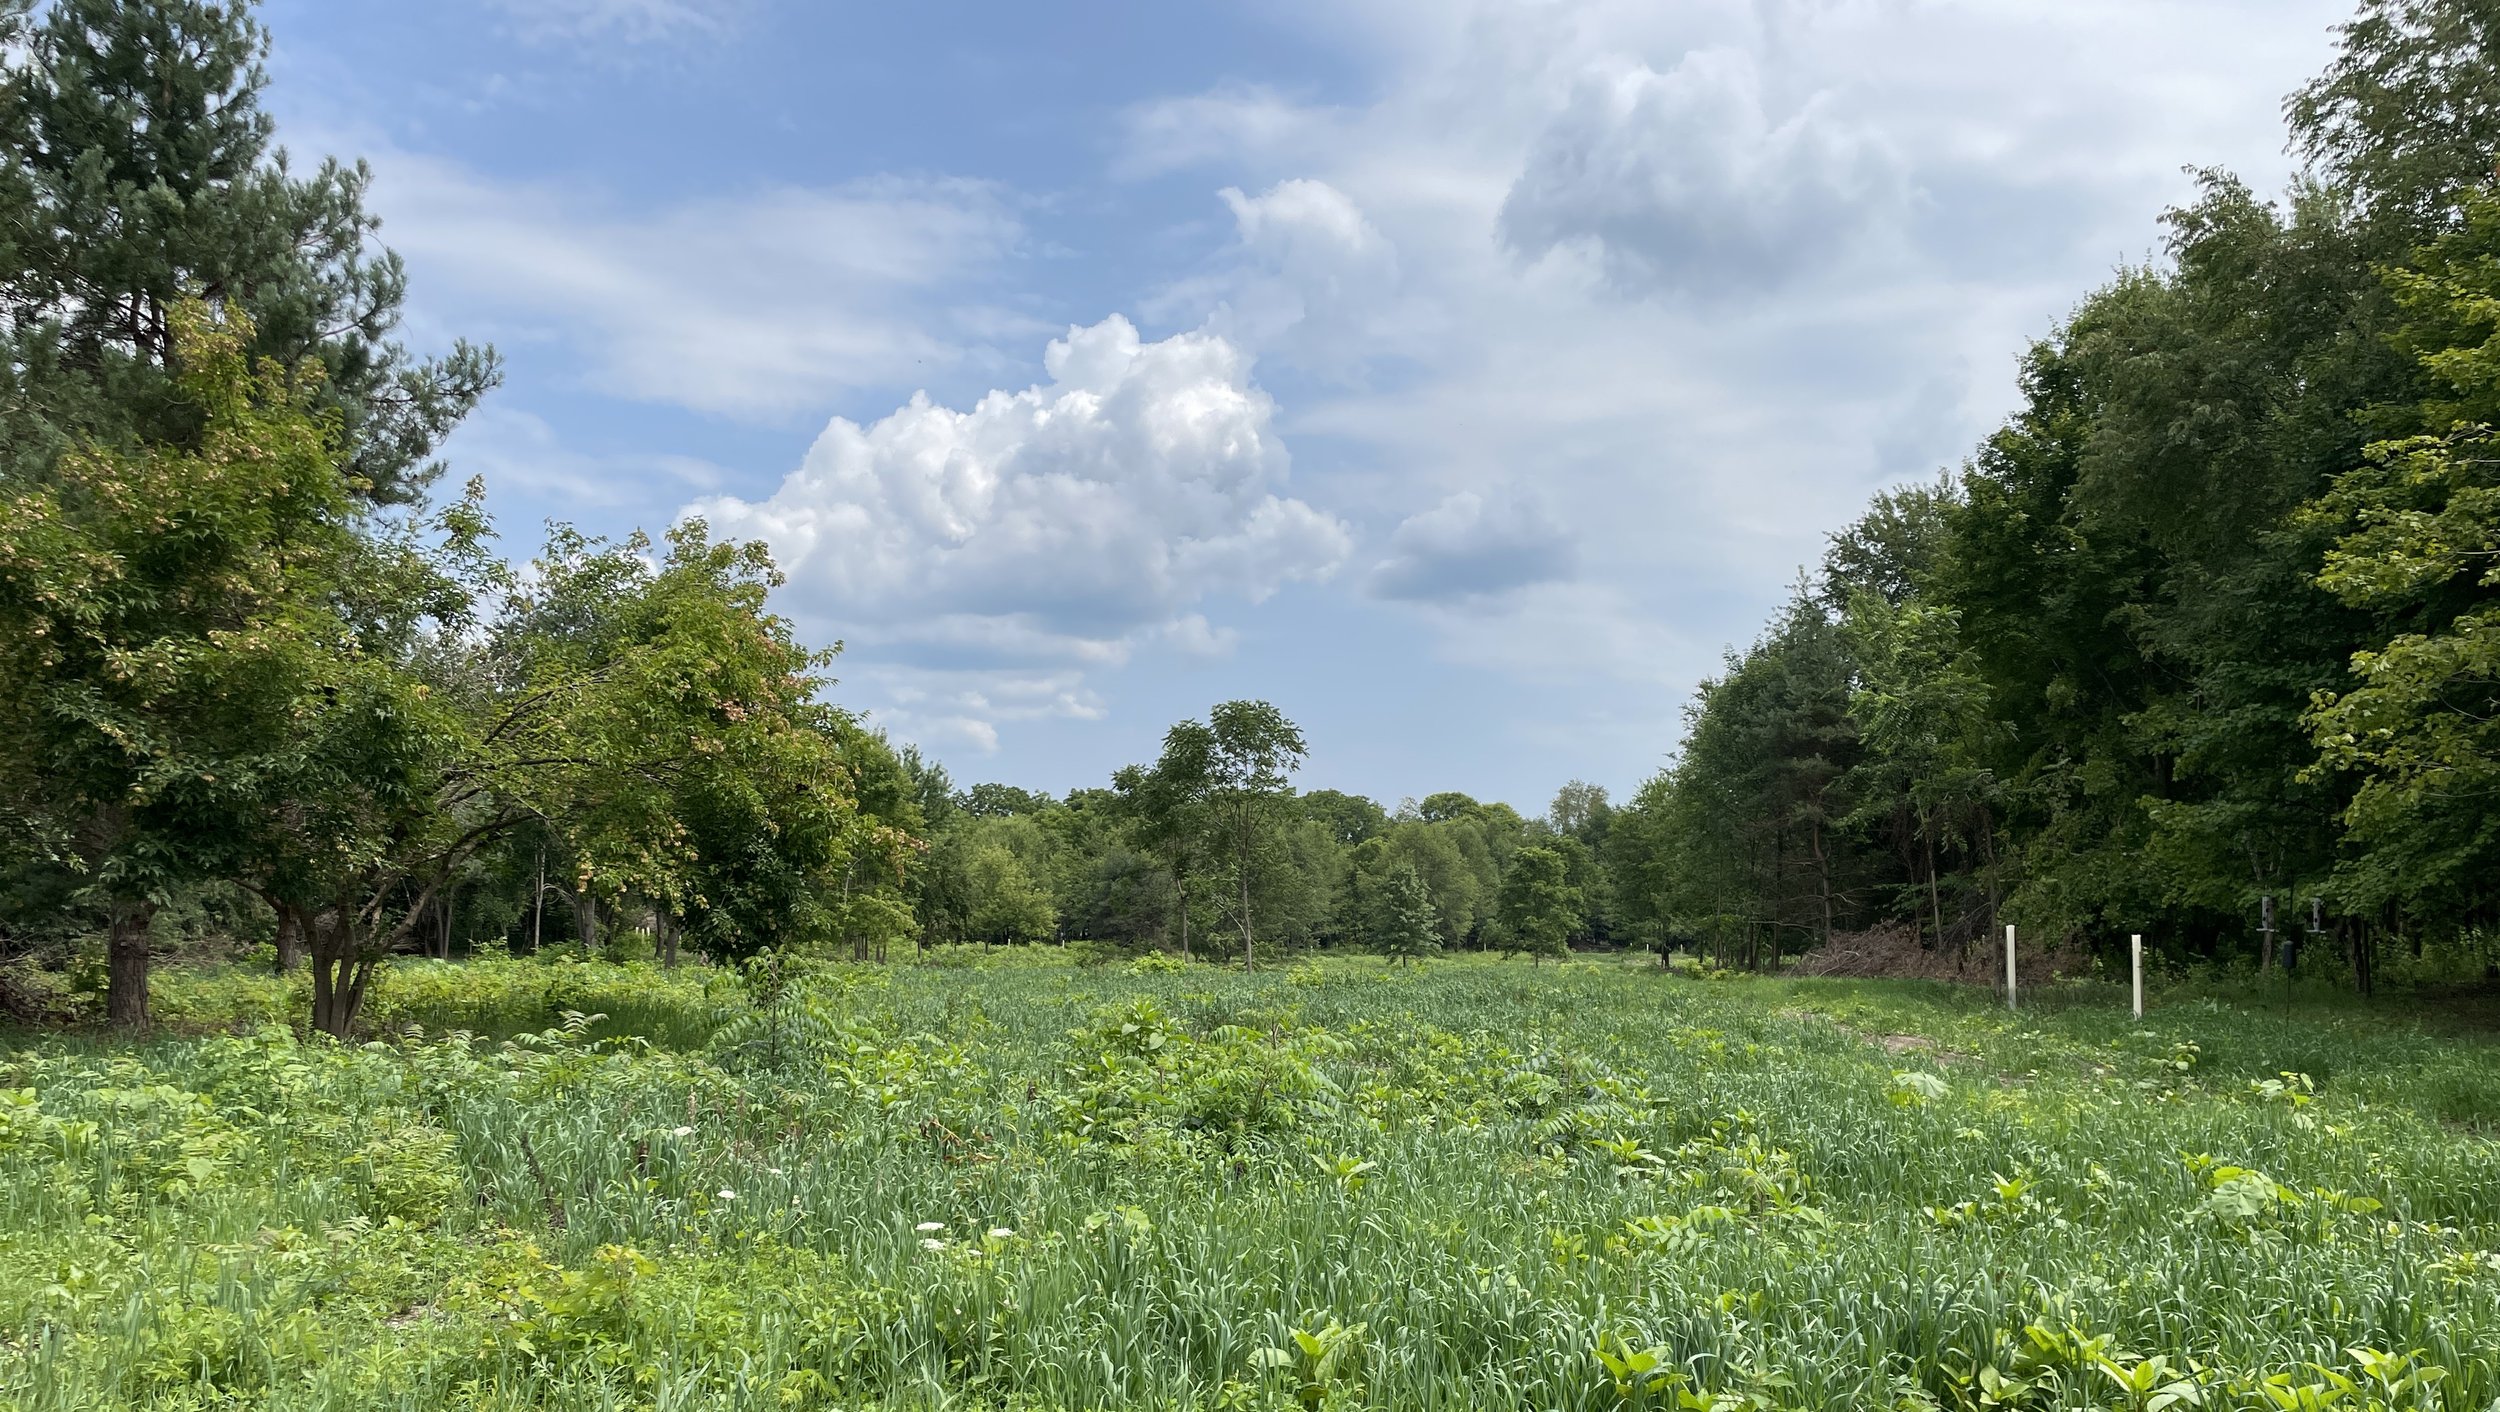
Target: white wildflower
728,1195
927,1226
932,1243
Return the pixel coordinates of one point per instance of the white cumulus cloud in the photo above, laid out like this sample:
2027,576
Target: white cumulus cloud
1072,522
1684,181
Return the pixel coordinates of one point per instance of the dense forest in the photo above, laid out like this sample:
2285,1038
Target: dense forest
2207,625
2209,619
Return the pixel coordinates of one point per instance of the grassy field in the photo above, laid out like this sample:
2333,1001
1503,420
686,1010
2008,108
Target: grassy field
1031,1185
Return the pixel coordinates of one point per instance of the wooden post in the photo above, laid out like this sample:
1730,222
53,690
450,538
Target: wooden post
2009,966
2135,957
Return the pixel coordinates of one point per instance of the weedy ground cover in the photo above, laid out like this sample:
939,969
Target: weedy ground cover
1023,1184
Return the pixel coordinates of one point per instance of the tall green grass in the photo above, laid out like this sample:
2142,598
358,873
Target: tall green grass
1050,1186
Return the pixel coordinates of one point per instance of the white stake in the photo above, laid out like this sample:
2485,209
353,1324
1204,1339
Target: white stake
2135,955
2009,965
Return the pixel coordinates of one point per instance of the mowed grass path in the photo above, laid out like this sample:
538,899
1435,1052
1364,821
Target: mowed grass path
1035,1185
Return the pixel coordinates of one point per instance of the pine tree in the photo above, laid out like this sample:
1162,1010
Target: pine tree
140,170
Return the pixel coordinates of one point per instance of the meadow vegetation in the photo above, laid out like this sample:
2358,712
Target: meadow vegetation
997,1179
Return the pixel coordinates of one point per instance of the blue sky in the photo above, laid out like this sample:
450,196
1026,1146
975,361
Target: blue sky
1464,377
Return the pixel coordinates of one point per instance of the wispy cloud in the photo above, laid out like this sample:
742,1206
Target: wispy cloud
754,305
626,21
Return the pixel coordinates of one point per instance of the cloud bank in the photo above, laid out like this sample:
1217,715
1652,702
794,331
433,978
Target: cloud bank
1683,181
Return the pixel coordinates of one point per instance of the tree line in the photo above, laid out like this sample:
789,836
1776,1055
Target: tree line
2209,619
1210,850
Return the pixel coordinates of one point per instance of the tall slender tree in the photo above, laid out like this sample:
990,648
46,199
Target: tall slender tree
1166,809
1252,753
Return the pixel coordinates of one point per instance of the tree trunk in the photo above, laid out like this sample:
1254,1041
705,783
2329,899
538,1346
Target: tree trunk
586,920
538,903
1823,873
1778,897
1988,842
1935,896
1249,962
668,939
325,997
859,939
1180,899
126,965
290,939
328,956
339,984
443,950
342,971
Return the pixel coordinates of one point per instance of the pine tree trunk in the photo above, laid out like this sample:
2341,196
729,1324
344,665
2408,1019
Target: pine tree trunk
126,966
1823,871
1935,896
